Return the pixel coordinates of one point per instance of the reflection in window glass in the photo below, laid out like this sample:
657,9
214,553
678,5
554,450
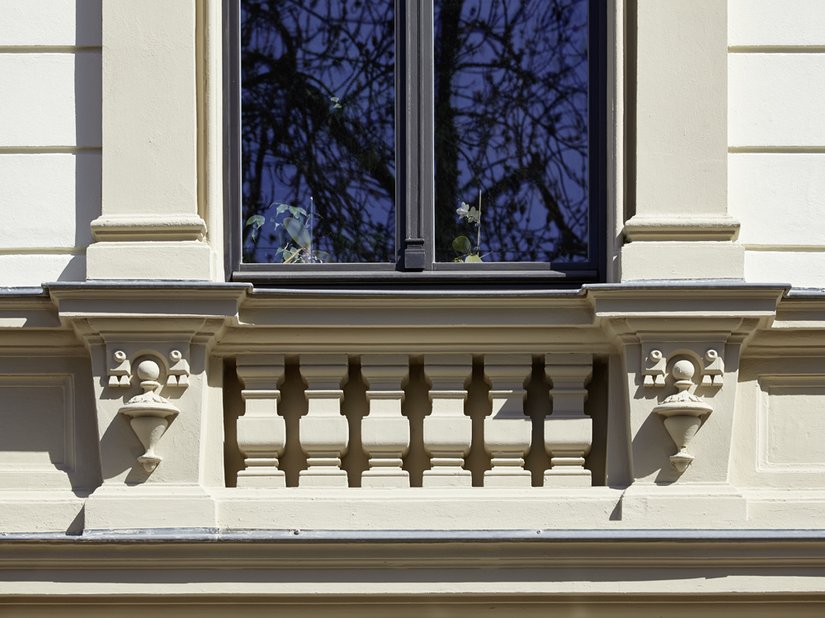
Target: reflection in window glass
511,141
318,131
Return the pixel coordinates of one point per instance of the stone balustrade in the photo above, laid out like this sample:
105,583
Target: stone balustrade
474,431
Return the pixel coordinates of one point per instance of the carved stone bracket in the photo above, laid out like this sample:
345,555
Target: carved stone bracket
679,386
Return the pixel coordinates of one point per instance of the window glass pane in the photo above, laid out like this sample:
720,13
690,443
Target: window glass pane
318,138
511,101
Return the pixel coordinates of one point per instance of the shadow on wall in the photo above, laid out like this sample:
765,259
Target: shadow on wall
88,134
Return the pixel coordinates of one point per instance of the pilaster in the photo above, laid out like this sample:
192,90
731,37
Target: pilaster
150,226
680,228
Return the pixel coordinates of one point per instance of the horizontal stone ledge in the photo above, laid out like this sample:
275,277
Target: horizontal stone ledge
640,228
148,227
167,549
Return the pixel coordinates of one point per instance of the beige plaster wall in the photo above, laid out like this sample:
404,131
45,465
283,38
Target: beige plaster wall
48,441
776,74
50,139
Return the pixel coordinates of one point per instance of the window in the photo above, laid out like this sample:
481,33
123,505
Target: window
455,139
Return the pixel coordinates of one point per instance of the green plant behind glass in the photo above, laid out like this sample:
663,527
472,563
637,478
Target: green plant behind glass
462,245
296,222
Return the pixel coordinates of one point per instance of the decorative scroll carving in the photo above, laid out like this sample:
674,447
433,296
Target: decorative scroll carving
175,367
178,372
714,369
654,369
120,370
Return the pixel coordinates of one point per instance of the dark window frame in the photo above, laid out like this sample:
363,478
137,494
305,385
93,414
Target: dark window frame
415,200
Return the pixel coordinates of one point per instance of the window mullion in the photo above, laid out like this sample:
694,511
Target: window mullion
416,142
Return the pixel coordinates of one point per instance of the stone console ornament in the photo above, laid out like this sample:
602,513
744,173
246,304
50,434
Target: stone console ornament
149,413
654,369
120,370
178,374
682,413
714,369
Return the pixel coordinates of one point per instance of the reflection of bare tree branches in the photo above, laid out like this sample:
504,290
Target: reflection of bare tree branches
511,119
318,122
510,111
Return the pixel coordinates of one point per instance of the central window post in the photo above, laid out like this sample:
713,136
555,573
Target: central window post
415,99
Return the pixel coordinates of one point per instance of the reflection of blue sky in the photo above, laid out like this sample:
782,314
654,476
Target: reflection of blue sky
318,121
520,98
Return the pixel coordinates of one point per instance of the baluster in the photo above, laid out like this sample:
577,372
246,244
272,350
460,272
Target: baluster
324,431
568,431
261,432
385,432
448,432
507,430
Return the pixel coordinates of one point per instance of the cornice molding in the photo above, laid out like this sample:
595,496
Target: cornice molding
474,550
572,320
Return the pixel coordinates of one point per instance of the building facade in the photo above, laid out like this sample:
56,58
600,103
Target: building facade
180,438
